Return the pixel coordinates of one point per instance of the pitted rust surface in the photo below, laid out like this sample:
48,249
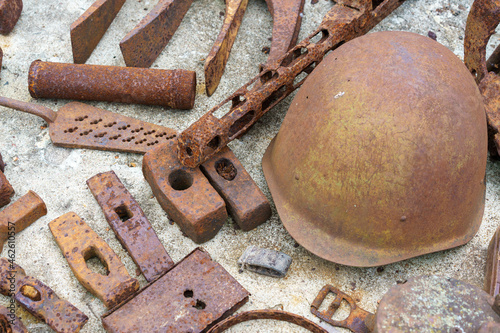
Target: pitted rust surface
10,11
245,202
217,58
342,23
196,293
492,277
39,299
141,46
78,125
9,322
88,29
78,243
173,88
267,314
6,190
184,193
130,225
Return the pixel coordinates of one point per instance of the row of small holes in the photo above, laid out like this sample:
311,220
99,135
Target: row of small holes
95,122
100,135
85,133
115,137
124,127
129,139
150,132
81,118
110,124
70,130
137,130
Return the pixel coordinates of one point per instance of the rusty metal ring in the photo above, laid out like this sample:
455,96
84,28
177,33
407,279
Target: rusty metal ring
267,314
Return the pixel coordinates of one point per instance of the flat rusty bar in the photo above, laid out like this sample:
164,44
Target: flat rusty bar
79,243
10,11
184,193
196,293
492,277
130,225
38,299
141,46
88,29
172,88
245,202
9,322
6,190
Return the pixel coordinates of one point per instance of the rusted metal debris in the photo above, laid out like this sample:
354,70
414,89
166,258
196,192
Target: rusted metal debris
141,46
130,225
171,88
265,261
78,125
1,59
6,190
10,11
88,29
184,193
492,277
216,60
79,243
345,21
9,322
20,215
39,299
245,202
358,321
2,164
267,314
196,293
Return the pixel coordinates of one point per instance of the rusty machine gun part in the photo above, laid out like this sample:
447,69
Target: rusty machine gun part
484,17
78,125
88,29
196,293
492,277
20,215
79,243
39,299
130,225
171,88
141,46
345,21
10,11
9,322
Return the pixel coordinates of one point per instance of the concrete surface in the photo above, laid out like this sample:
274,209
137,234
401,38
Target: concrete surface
58,175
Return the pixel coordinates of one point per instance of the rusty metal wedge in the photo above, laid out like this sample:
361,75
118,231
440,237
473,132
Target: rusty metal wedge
79,243
10,11
88,29
216,60
141,46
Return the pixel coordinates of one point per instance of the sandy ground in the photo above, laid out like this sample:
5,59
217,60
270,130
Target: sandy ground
58,175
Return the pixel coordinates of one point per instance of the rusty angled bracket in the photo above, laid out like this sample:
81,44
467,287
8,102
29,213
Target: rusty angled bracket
10,11
78,243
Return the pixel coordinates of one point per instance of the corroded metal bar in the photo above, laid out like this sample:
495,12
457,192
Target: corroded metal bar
172,88
79,243
10,11
6,190
492,277
9,322
130,225
345,21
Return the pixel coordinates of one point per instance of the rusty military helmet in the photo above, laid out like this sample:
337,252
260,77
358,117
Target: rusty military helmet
382,154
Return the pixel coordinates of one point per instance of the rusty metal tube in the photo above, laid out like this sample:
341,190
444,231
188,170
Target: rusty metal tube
172,88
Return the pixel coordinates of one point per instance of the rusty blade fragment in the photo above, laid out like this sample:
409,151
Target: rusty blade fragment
39,299
245,202
9,322
141,46
10,11
492,277
88,29
345,21
184,193
217,58
79,243
196,293
130,225
6,190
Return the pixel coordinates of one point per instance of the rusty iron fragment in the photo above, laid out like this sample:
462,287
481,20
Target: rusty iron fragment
265,261
41,301
9,322
141,46
267,314
345,21
88,29
6,190
358,321
216,60
130,225
171,88
10,11
79,243
78,125
2,164
184,193
245,202
492,278
196,293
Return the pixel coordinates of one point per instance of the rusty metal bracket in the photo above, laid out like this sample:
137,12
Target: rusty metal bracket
10,11
9,322
88,29
345,21
358,321
184,193
265,261
39,299
141,46
130,225
196,293
78,243
6,190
